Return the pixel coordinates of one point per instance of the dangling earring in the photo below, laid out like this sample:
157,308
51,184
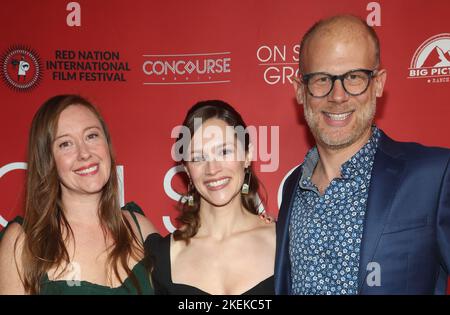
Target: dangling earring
246,186
190,196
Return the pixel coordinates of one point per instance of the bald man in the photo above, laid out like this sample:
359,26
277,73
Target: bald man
363,214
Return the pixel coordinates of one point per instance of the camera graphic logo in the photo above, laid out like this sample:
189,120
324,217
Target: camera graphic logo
21,68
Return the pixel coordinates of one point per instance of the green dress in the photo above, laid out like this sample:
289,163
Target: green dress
61,287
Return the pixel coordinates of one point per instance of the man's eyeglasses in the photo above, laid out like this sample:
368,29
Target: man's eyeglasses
355,82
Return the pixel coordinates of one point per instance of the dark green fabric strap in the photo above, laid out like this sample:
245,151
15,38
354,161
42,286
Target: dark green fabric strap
133,208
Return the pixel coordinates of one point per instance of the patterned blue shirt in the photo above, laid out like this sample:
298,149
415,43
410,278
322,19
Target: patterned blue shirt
326,230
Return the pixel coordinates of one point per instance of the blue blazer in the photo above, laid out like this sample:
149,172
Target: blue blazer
407,223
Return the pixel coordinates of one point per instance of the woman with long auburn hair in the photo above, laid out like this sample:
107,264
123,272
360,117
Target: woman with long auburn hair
224,245
74,238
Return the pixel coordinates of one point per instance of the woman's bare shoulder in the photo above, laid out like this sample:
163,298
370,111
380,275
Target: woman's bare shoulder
14,232
145,224
10,263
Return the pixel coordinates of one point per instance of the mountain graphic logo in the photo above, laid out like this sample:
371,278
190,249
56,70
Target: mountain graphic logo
437,58
432,59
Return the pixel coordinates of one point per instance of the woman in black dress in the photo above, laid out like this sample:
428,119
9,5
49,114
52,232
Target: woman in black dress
224,245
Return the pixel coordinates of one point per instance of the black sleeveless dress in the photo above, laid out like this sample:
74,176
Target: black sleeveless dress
158,248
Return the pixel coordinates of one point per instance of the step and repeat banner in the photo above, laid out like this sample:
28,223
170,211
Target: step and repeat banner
145,63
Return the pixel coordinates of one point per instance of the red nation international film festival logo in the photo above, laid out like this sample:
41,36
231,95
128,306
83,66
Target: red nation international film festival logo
194,68
21,68
431,61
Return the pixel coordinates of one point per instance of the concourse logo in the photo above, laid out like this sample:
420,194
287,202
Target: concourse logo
21,68
187,68
431,61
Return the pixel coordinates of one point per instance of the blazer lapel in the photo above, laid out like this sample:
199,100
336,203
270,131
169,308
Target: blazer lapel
386,175
282,258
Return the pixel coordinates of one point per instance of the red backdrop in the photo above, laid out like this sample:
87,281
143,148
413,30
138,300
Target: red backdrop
144,63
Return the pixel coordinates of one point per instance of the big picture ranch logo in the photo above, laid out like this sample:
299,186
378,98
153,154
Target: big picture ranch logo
431,61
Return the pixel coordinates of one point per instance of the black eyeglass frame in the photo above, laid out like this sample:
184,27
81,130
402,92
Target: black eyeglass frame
370,73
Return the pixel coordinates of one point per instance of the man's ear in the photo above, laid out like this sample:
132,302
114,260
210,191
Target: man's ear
380,80
299,90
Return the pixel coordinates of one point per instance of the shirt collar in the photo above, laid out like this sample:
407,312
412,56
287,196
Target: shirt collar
359,164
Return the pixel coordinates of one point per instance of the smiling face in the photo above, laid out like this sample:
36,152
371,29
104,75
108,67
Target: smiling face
339,119
81,152
217,163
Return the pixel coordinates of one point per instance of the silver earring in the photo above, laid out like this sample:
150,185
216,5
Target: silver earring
190,196
246,186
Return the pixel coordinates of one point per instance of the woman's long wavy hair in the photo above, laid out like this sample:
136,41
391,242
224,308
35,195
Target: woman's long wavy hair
189,216
44,245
